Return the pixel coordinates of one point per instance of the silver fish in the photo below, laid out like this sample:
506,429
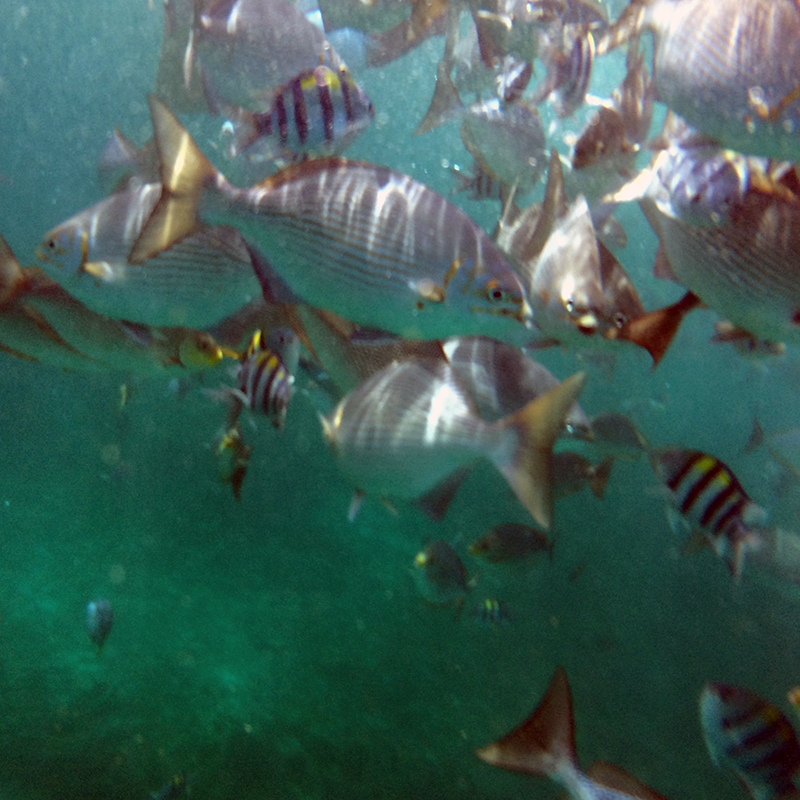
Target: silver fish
411,426
731,68
207,275
544,744
396,255
99,619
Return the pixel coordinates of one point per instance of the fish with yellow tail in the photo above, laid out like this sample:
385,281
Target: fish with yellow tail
412,427
752,738
706,497
370,244
40,321
731,68
544,745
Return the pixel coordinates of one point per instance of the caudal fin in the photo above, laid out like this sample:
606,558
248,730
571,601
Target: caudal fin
545,743
185,171
528,469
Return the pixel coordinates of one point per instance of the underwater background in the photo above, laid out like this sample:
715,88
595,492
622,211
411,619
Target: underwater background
272,649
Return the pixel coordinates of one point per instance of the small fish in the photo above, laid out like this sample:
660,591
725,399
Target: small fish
511,541
544,745
569,71
233,457
571,472
440,575
752,738
616,434
99,619
491,612
369,227
745,343
176,787
793,696
204,277
711,501
715,65
412,426
319,112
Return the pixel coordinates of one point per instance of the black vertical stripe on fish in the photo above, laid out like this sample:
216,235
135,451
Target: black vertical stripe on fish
699,487
730,515
283,124
720,499
678,477
348,100
300,110
326,104
263,123
263,395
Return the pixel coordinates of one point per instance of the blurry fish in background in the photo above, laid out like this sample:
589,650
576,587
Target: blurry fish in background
752,738
237,51
616,435
176,787
745,343
571,472
121,161
202,278
233,457
317,113
411,428
365,223
782,445
569,70
492,613
480,184
544,745
511,541
707,498
440,575
714,64
41,322
99,619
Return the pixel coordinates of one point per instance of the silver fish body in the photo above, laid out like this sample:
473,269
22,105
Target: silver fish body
206,276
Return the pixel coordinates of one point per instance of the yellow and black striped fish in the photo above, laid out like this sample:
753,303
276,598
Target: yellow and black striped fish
711,500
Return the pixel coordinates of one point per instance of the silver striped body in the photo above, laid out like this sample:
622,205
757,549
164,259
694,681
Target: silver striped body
378,248
201,279
730,68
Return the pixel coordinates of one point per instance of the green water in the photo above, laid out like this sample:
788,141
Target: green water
272,649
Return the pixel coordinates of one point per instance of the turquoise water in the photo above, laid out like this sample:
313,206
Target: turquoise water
272,649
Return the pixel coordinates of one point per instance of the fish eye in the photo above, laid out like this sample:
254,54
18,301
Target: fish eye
620,319
494,292
569,304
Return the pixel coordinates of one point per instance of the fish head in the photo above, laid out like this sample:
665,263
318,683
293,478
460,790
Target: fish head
66,247
198,351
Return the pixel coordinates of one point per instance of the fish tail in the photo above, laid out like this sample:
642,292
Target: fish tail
185,172
12,278
545,743
537,426
598,477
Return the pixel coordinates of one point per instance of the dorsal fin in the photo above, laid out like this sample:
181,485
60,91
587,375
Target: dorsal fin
545,743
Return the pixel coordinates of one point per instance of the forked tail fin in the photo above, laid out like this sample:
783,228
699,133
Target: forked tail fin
545,743
185,171
528,469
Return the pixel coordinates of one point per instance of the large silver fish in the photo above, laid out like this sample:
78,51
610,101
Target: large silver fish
544,744
204,277
370,244
412,426
731,68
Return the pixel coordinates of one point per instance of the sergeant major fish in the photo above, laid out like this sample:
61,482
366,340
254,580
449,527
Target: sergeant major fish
396,255
544,744
412,426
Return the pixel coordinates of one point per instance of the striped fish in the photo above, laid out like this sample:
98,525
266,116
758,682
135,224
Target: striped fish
491,612
367,243
318,112
265,381
730,68
711,500
206,276
751,737
568,72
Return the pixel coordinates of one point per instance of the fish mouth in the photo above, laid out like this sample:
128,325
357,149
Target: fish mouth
587,324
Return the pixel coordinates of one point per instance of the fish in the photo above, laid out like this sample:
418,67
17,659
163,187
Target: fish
99,619
544,745
121,162
40,321
711,501
616,434
175,787
569,70
480,184
318,112
411,427
752,738
491,612
204,277
715,65
571,472
745,343
440,575
385,265
511,541
233,458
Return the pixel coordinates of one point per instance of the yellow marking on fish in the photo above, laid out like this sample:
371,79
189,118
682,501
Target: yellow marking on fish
451,273
771,113
430,291
123,396
228,353
84,247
